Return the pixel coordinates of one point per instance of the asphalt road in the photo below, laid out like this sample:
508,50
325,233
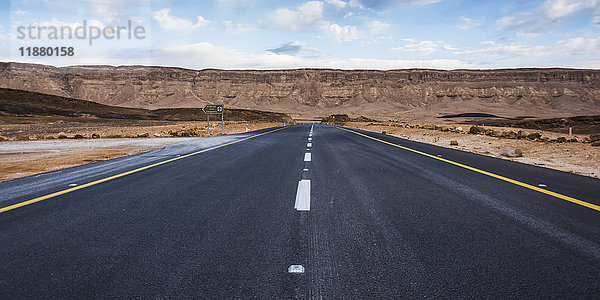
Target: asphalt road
382,222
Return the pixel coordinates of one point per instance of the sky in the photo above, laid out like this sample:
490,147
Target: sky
340,34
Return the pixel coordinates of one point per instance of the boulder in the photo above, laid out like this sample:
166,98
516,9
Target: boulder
511,152
22,138
95,135
521,134
594,137
534,136
495,133
143,135
444,128
561,139
62,136
509,134
78,137
453,143
3,138
476,130
596,144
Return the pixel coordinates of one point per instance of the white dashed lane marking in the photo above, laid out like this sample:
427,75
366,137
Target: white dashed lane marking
307,156
303,195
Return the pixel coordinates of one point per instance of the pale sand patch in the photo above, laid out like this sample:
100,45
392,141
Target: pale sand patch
25,158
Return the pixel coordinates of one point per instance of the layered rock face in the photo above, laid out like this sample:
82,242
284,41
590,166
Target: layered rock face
313,90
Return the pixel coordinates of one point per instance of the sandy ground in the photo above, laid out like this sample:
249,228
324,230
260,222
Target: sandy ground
25,158
49,127
578,158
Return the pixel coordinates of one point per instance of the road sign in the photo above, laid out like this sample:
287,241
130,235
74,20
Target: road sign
213,109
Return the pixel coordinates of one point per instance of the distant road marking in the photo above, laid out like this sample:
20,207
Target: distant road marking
305,170
42,198
303,195
309,139
522,184
310,135
299,269
307,156
309,145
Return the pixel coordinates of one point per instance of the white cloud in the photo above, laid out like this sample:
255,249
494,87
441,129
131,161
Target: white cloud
173,23
20,12
207,55
575,46
114,10
526,35
508,22
239,27
341,33
55,23
449,47
467,23
378,27
579,46
559,9
355,4
391,64
552,11
339,4
308,15
424,47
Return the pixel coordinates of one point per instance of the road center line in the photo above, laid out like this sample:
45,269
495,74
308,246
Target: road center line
303,195
307,156
516,182
309,145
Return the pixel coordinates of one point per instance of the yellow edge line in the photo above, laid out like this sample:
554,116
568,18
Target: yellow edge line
42,198
525,185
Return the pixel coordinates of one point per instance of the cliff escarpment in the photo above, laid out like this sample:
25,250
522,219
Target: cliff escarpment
324,91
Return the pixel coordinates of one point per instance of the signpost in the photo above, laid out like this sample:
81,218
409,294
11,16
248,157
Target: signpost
214,109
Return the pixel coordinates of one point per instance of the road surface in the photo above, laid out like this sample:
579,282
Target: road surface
366,215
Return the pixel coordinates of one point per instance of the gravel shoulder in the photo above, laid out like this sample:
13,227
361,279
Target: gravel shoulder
39,154
577,158
25,158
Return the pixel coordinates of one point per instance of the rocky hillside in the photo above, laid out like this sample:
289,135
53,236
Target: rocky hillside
514,92
31,104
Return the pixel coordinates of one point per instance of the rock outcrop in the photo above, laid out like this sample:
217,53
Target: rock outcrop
310,90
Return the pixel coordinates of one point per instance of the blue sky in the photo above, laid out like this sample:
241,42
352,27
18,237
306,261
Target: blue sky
345,34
